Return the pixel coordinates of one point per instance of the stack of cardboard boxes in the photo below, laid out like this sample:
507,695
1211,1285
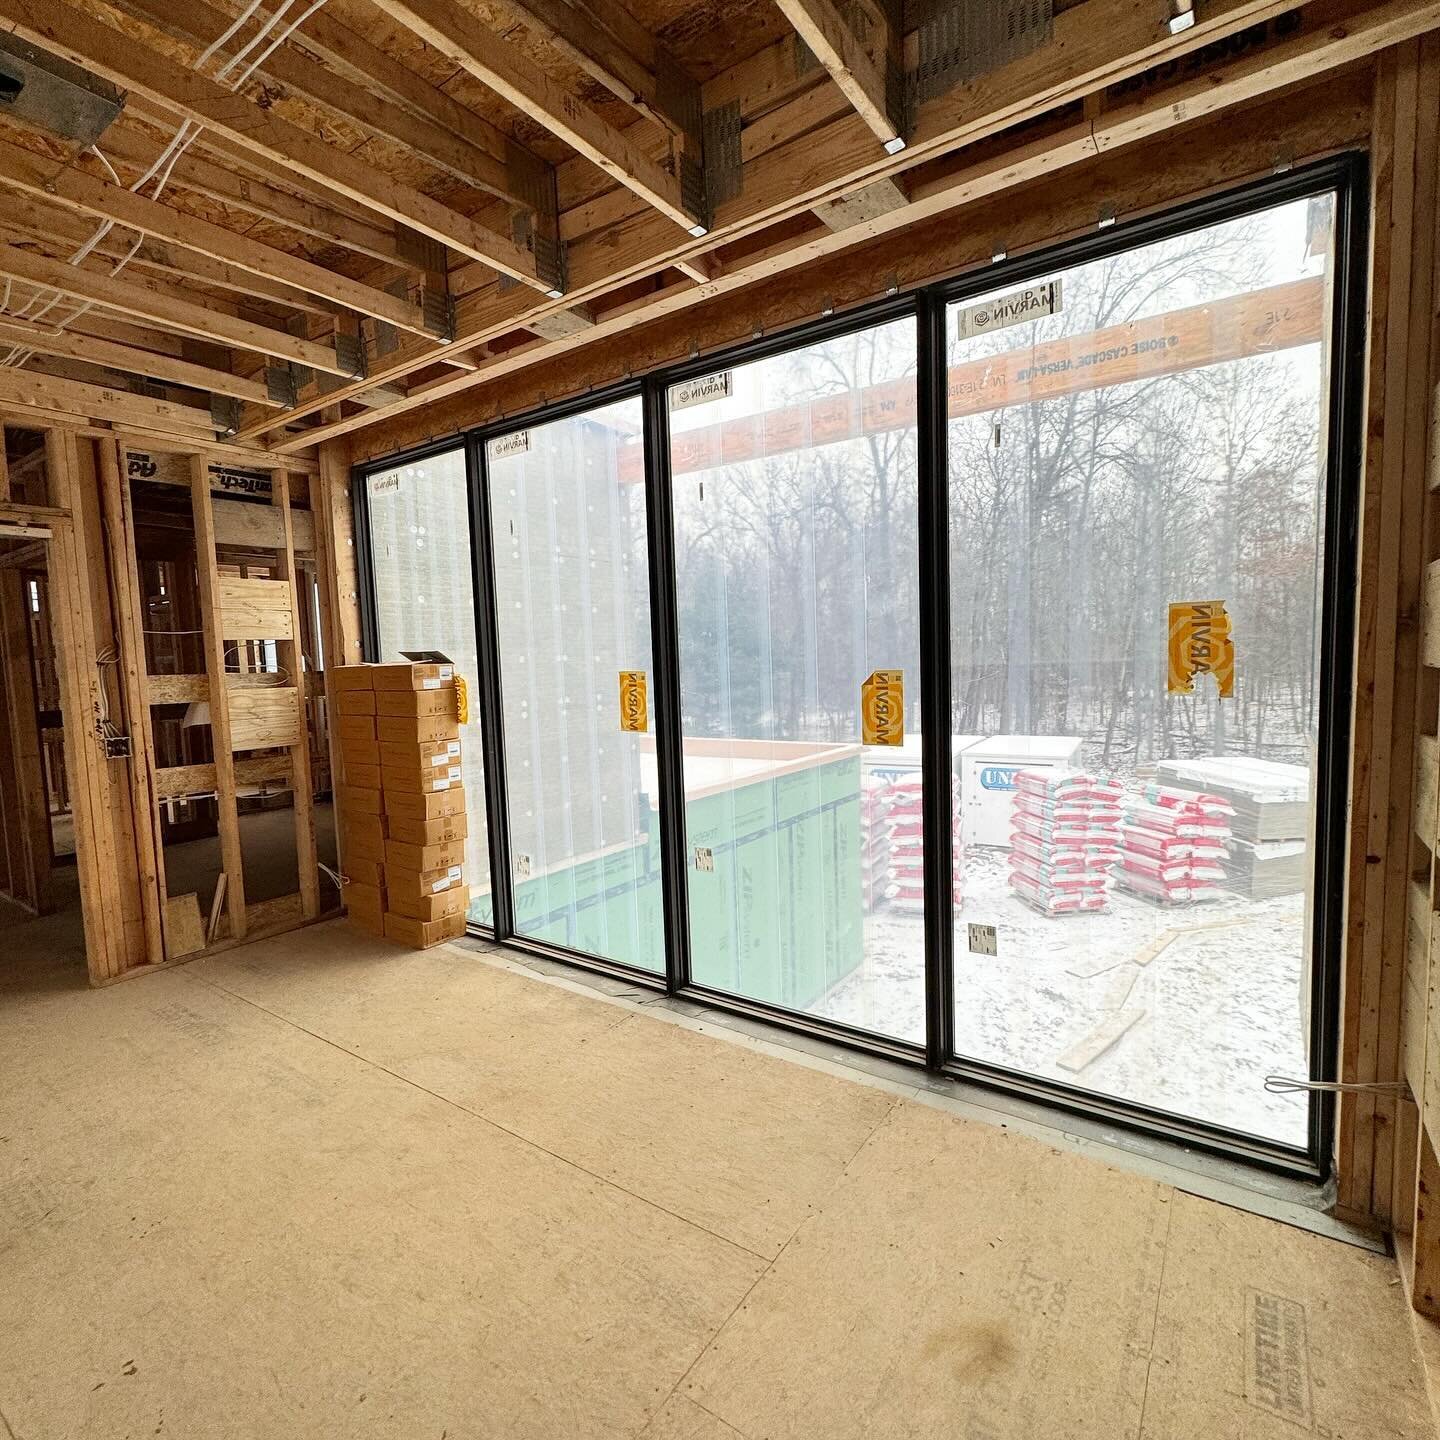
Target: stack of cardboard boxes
402,804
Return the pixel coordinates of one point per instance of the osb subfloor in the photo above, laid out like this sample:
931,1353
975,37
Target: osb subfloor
321,1186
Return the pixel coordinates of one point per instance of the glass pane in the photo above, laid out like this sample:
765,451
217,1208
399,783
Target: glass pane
424,600
572,581
795,512
1130,436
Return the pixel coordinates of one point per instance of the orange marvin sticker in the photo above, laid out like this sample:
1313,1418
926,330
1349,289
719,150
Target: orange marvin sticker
634,702
1200,644
882,708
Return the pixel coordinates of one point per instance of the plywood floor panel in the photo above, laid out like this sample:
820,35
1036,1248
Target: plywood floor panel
633,1099
321,1186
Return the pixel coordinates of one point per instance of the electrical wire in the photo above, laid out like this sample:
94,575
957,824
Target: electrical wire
1284,1085
165,162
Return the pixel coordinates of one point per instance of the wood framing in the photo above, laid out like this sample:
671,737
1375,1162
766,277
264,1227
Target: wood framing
1281,57
212,611
461,143
142,302
460,38
26,820
292,660
130,623
59,26
838,48
101,199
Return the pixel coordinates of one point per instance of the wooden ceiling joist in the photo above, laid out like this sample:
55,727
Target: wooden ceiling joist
835,44
36,176
69,399
367,65
1291,60
632,75
26,219
804,167
498,165
46,340
65,30
126,297
457,35
241,191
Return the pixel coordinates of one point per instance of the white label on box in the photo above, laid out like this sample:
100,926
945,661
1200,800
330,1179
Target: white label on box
439,885
443,783
429,684
452,747
436,761
447,672
453,872
454,772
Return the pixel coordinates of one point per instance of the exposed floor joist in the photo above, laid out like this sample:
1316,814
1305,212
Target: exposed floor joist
58,26
46,340
501,66
489,161
90,195
145,303
1291,61
1081,57
835,44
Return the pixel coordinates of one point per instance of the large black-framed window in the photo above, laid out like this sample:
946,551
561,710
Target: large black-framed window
699,626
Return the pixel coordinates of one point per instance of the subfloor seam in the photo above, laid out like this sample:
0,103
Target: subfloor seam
1155,1317
477,1115
816,1211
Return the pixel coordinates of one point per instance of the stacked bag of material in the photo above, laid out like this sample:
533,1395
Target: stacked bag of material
905,834
1065,840
1173,845
874,842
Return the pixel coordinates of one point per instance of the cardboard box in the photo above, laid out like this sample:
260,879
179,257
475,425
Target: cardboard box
394,777
416,729
421,934
353,702
355,802
364,873
354,727
413,675
365,907
455,901
361,777
428,832
416,702
413,805
362,837
420,858
370,924
422,882
362,751
434,753
350,677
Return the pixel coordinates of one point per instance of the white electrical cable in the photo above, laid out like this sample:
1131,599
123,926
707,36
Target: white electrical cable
166,161
1284,1085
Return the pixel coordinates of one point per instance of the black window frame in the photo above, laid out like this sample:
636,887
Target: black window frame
1344,175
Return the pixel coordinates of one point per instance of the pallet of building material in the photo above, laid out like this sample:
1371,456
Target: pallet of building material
1271,800
1273,867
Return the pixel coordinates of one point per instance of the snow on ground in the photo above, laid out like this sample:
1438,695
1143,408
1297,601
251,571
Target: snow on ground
1221,1003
